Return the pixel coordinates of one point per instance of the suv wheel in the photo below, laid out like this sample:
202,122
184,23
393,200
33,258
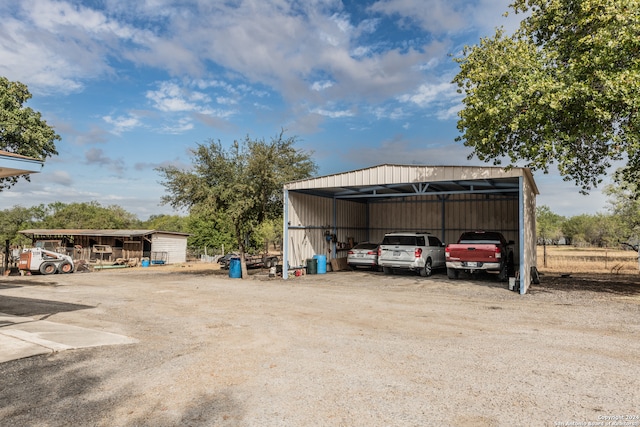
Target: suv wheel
427,270
387,270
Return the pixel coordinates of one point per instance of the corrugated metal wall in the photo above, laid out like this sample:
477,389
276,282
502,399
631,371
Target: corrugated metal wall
174,246
311,217
446,218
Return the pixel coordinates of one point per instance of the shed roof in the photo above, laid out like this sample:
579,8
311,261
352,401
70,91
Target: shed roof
103,233
390,180
12,164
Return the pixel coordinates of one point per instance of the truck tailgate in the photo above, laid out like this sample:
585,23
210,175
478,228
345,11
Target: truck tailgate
472,252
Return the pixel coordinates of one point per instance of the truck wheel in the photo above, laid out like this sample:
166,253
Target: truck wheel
535,276
452,273
65,267
267,263
47,268
427,270
504,273
511,266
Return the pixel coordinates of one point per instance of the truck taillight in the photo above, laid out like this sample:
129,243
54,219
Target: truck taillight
498,252
447,252
418,252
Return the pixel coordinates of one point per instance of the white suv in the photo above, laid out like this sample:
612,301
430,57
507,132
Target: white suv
421,252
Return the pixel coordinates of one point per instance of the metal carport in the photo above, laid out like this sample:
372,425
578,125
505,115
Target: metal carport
323,215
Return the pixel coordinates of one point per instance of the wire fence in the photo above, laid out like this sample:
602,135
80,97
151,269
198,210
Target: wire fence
585,260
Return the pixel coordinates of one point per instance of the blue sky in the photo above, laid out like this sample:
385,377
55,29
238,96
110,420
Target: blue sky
130,86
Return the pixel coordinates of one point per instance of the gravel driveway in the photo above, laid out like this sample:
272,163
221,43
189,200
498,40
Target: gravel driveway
337,349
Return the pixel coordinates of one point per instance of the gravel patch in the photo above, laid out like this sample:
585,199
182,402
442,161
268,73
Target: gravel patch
339,349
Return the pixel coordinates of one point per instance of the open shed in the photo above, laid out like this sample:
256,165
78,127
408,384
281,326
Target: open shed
326,215
161,247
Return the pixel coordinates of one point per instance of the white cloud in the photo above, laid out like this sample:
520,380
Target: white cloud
334,114
321,85
182,125
450,112
122,124
447,16
396,113
53,46
280,45
427,94
61,177
97,156
172,98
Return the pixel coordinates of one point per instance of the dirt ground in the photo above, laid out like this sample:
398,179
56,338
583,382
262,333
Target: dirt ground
338,349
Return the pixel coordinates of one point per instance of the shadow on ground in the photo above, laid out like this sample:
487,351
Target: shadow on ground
83,387
16,306
615,284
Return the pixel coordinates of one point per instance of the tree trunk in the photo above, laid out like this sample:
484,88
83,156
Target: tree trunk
243,261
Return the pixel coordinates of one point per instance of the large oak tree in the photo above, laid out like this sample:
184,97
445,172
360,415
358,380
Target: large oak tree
563,89
244,182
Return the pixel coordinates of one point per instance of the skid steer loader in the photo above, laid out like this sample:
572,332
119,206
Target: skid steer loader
38,260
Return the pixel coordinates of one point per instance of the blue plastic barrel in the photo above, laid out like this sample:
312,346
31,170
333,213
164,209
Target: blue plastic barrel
145,263
235,268
322,263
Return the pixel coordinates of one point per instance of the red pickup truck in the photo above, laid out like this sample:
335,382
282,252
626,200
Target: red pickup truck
480,251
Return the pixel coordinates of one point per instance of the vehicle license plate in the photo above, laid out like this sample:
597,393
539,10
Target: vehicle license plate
472,264
360,255
396,253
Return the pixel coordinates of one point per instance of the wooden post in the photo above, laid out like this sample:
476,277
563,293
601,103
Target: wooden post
5,266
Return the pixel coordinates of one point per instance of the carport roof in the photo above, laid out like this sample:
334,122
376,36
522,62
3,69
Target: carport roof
44,232
12,164
389,180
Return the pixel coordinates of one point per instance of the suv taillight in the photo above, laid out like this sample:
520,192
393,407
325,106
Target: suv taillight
379,251
418,252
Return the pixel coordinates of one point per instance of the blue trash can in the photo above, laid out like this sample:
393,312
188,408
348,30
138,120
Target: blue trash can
235,268
322,263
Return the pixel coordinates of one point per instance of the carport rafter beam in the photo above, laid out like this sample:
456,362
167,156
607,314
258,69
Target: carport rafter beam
420,188
370,189
429,193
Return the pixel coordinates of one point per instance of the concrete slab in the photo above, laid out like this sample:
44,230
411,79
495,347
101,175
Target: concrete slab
14,348
22,337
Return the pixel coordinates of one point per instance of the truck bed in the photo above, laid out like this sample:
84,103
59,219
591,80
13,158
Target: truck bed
479,251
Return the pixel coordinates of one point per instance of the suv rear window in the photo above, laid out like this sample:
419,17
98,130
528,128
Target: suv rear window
403,240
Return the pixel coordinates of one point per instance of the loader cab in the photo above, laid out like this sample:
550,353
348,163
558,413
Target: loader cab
50,245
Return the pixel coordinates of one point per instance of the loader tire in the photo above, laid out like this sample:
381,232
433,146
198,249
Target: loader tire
65,267
48,268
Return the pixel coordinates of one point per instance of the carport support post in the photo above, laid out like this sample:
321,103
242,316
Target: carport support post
285,235
523,258
335,228
443,209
